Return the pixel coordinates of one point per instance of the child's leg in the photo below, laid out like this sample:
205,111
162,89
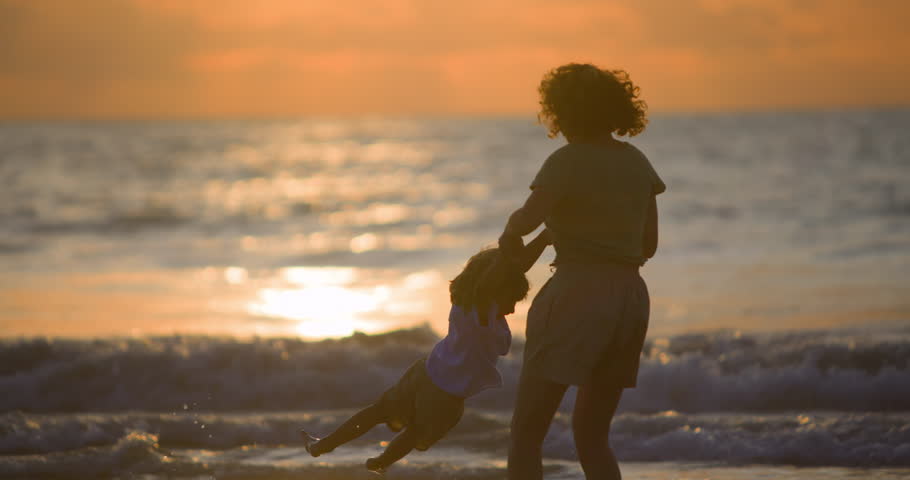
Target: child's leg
400,446
356,426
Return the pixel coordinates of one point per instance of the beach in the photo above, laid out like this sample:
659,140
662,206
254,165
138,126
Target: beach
796,405
179,298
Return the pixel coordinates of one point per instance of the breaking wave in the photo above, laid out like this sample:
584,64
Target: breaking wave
845,370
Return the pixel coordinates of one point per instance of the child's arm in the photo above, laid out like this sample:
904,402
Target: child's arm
500,342
533,250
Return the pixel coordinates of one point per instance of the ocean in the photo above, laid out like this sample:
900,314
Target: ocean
178,299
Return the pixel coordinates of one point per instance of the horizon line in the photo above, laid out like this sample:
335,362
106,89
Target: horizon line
143,118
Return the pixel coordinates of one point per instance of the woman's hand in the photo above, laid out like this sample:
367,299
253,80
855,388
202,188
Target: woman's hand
523,256
512,247
546,236
522,222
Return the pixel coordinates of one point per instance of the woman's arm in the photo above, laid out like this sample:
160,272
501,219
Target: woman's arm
495,275
527,218
649,241
524,221
533,249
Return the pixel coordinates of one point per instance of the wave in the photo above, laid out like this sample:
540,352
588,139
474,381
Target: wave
135,453
805,439
139,455
844,370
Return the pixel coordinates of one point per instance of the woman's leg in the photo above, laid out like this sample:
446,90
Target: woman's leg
400,446
356,426
535,406
595,405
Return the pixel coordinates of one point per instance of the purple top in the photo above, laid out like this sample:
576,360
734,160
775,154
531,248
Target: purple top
464,362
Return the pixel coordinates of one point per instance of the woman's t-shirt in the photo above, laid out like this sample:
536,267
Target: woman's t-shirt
603,195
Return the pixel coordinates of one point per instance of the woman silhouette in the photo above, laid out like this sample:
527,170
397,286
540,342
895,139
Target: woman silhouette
587,325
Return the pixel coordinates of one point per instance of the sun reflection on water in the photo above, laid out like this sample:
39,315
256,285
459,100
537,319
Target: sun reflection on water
308,276
338,301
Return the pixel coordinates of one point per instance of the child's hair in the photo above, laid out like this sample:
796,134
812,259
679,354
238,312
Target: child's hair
488,278
585,101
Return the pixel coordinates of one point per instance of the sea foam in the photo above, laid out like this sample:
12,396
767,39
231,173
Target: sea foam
842,370
805,439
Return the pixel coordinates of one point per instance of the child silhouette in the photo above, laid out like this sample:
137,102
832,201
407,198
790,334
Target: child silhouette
428,400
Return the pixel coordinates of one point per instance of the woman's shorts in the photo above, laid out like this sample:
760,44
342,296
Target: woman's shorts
416,403
588,323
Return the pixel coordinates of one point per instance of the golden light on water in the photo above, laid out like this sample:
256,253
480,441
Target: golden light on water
319,276
235,275
323,311
336,301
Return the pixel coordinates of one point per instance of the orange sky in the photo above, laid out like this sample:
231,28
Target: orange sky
166,58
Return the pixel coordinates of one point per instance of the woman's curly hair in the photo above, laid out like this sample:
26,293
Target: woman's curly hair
488,278
584,101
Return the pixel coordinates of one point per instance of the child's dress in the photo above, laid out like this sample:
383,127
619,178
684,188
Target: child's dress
429,398
464,362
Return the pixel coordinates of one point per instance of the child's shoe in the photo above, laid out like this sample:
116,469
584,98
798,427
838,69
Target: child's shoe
309,442
375,466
